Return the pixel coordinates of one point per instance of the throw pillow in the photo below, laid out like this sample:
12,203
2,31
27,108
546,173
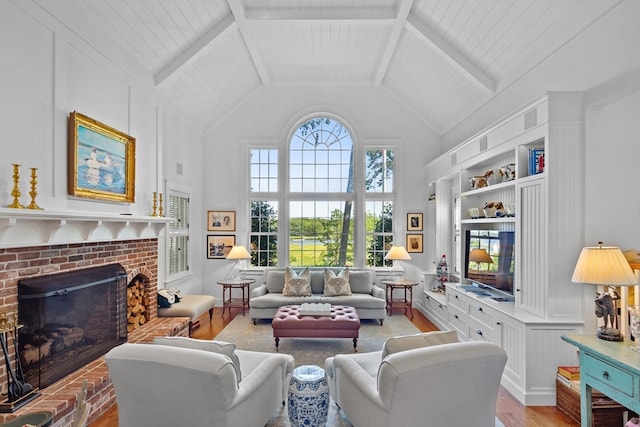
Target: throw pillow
220,347
335,285
297,285
165,298
409,342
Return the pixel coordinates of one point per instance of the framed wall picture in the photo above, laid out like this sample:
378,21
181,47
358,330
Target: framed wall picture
219,246
414,222
101,161
414,242
221,221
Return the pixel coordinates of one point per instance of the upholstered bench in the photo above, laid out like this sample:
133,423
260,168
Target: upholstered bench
191,306
343,322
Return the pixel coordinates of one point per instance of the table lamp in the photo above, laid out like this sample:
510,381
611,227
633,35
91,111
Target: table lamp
605,265
238,253
478,255
397,254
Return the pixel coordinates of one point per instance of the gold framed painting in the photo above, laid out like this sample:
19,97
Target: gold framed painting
414,242
414,222
218,247
221,221
101,161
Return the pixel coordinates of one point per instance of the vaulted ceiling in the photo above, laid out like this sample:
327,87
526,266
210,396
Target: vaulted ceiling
442,59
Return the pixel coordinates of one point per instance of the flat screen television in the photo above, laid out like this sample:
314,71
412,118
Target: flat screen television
498,274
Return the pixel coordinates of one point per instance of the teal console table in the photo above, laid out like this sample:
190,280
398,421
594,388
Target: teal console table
612,368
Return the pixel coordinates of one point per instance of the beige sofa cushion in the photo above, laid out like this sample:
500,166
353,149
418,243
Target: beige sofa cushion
297,285
220,347
409,342
335,285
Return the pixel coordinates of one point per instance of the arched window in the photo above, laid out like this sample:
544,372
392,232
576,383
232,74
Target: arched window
321,196
336,199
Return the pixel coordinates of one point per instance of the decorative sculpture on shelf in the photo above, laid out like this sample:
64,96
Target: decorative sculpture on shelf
16,188
33,193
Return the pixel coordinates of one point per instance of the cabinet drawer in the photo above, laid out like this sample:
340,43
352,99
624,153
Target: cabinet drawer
457,321
484,315
482,333
457,300
607,375
436,307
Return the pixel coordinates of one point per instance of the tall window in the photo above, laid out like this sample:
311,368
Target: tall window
335,202
178,233
321,196
264,233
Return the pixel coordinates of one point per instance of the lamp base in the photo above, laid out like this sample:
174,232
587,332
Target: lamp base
609,334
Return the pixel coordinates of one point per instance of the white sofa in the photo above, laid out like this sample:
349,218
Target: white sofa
187,382
422,380
367,298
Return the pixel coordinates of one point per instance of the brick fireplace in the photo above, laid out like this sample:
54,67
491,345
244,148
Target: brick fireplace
138,257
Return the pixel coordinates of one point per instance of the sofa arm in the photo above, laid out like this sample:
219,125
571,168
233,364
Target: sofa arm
378,292
259,291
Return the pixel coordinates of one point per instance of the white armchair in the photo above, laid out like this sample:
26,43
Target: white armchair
453,383
170,385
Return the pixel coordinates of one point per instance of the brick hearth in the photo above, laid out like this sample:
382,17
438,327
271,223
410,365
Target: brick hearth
137,257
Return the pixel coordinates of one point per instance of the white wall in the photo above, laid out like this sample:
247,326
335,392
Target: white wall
374,117
46,72
612,155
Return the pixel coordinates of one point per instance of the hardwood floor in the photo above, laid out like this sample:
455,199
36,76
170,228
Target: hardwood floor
511,412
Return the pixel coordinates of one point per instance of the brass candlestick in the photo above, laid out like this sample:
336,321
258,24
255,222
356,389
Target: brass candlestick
160,210
16,188
155,206
33,193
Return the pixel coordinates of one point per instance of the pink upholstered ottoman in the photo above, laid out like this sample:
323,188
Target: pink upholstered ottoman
342,323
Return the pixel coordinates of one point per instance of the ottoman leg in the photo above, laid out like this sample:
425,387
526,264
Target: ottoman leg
277,343
355,344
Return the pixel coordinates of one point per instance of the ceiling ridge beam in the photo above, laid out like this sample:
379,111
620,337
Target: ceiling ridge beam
392,41
249,40
355,14
193,52
452,54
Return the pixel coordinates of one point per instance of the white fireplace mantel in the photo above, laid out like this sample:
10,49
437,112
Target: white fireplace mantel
27,227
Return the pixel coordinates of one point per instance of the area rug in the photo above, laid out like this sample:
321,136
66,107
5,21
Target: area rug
312,351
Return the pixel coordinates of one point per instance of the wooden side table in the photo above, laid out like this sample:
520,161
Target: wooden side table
613,368
228,301
405,303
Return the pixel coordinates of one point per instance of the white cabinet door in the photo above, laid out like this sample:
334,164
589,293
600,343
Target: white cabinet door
531,253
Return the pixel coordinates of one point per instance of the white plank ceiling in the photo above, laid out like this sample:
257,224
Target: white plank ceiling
441,58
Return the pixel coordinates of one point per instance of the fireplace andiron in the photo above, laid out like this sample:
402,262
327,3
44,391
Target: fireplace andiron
19,392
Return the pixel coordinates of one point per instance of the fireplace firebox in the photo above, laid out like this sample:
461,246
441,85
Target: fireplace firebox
70,319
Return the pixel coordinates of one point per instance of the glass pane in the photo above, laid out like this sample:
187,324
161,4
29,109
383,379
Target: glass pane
263,168
321,233
379,232
379,165
321,148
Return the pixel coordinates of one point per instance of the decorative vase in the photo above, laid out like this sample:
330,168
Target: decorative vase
634,327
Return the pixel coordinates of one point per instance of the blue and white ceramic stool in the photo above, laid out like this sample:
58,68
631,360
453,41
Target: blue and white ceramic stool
308,398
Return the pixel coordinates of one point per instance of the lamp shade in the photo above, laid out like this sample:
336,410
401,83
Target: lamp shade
238,252
479,255
397,253
603,265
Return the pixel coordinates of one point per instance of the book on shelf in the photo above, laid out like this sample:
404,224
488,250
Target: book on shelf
570,372
536,161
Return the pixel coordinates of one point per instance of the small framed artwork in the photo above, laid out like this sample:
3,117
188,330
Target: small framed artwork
101,161
221,221
414,242
414,222
219,246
